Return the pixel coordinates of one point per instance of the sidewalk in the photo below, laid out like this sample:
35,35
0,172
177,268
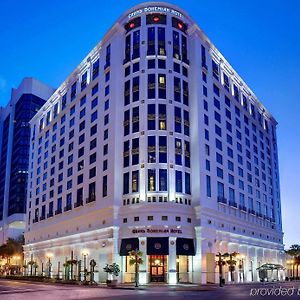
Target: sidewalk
164,286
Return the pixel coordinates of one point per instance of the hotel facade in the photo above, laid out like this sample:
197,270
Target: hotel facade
155,143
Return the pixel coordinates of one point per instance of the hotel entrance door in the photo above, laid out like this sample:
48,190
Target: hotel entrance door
158,268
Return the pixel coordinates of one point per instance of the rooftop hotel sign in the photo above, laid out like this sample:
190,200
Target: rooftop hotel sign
155,9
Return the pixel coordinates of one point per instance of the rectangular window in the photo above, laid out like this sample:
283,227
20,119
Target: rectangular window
151,41
136,89
215,69
95,89
95,69
226,82
135,182
127,48
151,180
79,200
177,119
185,88
151,117
93,130
104,186
184,49
135,151
162,149
126,122
163,180
94,103
92,172
127,92
135,119
231,196
92,192
176,48
177,89
178,181
94,116
203,57
162,86
126,154
151,86
161,35
178,152
151,149
220,190
83,83
186,122
187,183
236,92
162,114
126,183
136,44
187,161
73,90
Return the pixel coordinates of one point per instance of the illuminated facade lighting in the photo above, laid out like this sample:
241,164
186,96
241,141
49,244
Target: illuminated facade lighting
155,143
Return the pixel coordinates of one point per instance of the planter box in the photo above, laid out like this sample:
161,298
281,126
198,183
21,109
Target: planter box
112,283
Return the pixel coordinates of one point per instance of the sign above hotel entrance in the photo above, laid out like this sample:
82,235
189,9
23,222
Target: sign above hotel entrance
158,230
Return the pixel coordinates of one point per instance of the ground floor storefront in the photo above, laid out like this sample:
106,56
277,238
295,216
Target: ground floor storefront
169,259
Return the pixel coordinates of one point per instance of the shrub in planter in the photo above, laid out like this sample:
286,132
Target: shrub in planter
112,271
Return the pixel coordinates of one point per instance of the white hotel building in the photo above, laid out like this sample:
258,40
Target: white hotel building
154,142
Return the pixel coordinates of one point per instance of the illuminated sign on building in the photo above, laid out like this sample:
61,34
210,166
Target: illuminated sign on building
155,9
157,230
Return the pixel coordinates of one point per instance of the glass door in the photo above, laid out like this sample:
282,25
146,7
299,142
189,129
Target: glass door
158,268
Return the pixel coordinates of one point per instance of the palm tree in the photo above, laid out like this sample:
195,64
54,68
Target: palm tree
231,262
135,258
294,252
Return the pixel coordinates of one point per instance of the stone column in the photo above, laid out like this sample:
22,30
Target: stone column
172,275
197,263
143,268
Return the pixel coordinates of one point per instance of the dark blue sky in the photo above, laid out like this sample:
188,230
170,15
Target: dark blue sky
260,38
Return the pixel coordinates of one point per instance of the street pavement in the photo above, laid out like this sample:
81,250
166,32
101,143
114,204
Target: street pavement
15,290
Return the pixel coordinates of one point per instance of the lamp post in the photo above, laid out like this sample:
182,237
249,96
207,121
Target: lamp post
49,264
84,254
16,259
220,263
231,262
240,257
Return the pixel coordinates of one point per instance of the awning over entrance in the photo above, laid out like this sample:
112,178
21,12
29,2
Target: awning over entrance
185,246
128,245
158,246
270,267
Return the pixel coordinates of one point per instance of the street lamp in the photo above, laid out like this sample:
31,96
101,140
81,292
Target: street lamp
241,257
16,259
49,264
291,263
220,263
85,253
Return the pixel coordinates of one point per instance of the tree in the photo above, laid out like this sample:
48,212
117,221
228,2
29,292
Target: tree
294,252
231,262
112,270
135,258
12,247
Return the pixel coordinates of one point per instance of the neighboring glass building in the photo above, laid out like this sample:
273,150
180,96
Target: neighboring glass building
155,143
25,101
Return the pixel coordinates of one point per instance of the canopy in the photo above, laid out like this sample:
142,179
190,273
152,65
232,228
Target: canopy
158,246
271,267
128,245
185,246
